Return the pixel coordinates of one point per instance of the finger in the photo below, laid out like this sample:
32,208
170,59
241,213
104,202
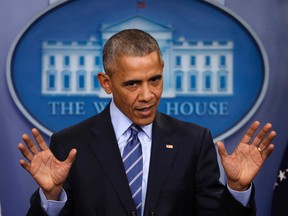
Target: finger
267,151
71,157
30,144
39,139
250,132
25,165
25,152
266,141
261,134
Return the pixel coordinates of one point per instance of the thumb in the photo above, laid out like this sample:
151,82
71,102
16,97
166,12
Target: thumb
221,149
71,157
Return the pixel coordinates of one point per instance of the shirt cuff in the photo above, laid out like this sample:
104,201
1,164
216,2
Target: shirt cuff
53,207
241,196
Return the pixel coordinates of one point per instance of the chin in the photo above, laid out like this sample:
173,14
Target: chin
143,122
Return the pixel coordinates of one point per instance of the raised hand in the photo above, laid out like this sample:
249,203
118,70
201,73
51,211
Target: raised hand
47,171
243,164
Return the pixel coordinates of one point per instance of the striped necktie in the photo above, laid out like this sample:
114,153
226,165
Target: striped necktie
133,163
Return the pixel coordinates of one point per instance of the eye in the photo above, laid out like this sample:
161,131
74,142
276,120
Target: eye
131,83
156,79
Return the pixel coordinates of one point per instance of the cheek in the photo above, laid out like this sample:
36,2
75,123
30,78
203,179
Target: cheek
158,92
127,101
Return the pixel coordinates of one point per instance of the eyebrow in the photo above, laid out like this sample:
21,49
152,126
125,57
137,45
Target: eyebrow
159,76
129,82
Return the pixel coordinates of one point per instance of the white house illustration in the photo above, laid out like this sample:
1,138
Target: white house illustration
192,68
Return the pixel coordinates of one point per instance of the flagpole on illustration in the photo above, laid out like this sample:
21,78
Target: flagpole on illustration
140,5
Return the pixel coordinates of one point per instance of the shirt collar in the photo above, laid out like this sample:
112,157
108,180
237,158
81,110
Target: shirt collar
121,122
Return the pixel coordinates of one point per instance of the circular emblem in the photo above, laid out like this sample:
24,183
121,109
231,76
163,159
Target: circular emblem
215,74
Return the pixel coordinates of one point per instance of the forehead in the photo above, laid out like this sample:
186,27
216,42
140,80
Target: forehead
147,63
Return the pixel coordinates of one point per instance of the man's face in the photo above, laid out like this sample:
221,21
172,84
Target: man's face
137,87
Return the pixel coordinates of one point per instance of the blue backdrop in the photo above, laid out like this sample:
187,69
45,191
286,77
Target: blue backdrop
269,20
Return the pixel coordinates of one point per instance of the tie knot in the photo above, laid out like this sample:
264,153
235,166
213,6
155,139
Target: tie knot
133,138
134,129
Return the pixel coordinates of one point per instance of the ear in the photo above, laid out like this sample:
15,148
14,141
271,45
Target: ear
104,81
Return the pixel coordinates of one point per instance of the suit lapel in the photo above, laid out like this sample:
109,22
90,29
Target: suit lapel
105,147
163,152
106,150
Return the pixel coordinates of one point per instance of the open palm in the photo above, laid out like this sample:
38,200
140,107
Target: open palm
244,163
48,172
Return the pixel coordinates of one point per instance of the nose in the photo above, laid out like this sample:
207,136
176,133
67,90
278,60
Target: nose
146,93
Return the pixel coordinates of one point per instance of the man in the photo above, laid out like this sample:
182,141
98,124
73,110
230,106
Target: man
179,173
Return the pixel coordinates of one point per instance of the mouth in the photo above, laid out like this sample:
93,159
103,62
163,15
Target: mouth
145,111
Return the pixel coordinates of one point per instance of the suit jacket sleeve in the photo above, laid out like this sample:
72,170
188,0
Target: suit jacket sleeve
213,197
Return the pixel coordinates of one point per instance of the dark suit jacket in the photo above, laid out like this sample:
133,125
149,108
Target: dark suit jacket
182,181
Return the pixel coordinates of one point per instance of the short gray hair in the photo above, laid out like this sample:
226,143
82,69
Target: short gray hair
130,42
